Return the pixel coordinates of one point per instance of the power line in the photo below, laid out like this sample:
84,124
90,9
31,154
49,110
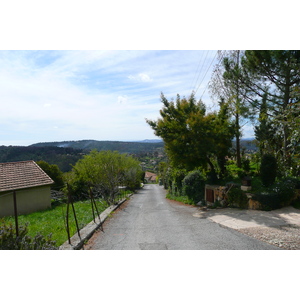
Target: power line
220,59
206,72
200,72
192,84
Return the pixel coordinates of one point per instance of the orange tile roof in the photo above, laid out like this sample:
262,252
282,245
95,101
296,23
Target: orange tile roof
150,176
21,175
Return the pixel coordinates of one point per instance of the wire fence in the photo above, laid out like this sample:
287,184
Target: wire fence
66,201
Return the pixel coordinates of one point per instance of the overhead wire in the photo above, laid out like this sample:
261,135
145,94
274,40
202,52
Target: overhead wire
206,72
220,59
200,71
192,84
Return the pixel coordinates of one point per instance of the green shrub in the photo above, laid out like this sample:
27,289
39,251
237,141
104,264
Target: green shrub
237,197
269,200
10,241
175,186
234,171
286,191
268,169
246,165
278,195
194,185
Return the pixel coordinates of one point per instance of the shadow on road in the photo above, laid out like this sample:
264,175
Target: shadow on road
238,218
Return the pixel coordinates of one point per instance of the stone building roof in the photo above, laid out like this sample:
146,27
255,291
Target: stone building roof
21,175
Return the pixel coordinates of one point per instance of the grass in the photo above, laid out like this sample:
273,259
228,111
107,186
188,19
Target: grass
53,220
183,199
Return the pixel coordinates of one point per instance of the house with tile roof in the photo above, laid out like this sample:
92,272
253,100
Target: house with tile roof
150,177
28,184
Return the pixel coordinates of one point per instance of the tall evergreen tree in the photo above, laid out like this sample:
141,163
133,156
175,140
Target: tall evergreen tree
224,85
264,132
276,74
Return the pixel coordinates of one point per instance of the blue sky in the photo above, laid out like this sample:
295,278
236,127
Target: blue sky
102,95
106,95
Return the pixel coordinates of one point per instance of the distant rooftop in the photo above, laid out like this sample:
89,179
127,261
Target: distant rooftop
21,175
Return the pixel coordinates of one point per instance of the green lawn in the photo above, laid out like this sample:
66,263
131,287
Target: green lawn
53,220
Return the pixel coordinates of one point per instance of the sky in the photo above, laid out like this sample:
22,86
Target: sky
67,71
103,95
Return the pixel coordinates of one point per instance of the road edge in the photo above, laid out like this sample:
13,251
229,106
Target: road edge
87,231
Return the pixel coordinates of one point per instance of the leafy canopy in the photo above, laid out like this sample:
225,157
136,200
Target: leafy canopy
190,135
106,171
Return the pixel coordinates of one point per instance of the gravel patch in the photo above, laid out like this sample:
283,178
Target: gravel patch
285,237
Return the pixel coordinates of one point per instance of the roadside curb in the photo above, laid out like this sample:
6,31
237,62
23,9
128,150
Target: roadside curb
87,231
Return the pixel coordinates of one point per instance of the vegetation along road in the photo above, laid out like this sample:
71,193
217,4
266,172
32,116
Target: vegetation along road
148,221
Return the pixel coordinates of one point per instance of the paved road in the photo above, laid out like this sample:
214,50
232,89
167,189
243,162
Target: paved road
151,222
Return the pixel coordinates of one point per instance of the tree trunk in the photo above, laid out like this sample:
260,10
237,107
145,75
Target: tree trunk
213,170
285,127
238,142
237,119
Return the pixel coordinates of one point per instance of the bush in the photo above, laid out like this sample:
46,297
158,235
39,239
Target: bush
236,197
246,165
176,184
269,200
10,241
234,171
194,185
286,191
268,169
278,195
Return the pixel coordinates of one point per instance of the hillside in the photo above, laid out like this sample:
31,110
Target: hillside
123,147
63,157
249,145
67,153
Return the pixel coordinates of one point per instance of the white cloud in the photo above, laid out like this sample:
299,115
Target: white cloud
142,77
88,94
122,99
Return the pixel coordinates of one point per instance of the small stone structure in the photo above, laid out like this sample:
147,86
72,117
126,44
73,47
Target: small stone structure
215,192
219,193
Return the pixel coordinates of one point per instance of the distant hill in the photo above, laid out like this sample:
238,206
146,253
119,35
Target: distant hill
248,144
63,157
150,141
66,153
123,147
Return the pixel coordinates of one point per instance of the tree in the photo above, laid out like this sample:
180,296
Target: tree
264,132
224,131
225,87
268,169
106,171
190,135
54,173
194,185
274,74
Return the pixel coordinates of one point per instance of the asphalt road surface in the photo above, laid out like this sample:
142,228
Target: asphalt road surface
148,221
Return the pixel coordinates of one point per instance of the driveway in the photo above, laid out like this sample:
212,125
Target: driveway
280,227
148,221
244,218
